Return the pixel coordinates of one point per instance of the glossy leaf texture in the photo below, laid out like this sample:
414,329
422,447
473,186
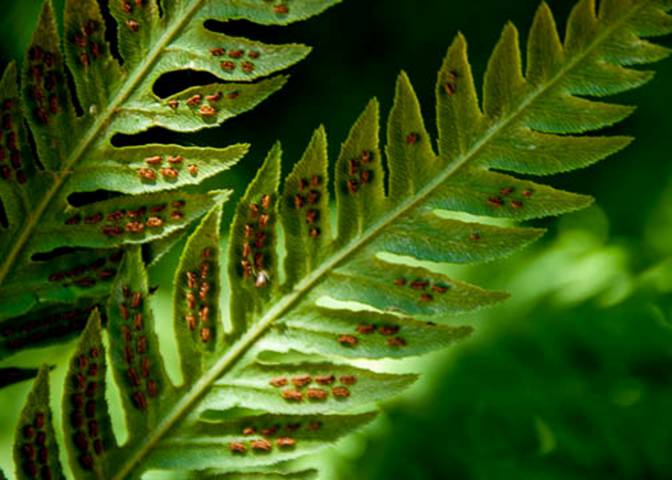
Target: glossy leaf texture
282,375
56,252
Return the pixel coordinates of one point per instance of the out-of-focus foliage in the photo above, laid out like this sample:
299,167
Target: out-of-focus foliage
567,383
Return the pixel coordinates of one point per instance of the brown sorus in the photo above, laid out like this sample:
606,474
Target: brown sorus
136,300
278,382
340,392
139,400
396,342
292,395
313,197
302,380
194,100
154,222
207,111
123,310
325,379
147,174
152,388
141,345
169,172
313,426
449,88
311,216
316,394
366,328
135,227
506,191
191,279
495,202
419,284
133,376
261,445
285,442
270,431
348,340
387,330
237,447
426,297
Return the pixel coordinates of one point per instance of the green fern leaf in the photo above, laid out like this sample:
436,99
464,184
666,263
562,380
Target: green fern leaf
279,380
75,152
36,448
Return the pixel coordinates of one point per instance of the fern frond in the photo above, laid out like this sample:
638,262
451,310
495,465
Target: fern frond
75,153
279,381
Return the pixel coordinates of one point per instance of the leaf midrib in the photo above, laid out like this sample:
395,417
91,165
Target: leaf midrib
135,78
288,301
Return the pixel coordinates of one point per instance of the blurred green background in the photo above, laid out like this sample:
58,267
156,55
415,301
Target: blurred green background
572,378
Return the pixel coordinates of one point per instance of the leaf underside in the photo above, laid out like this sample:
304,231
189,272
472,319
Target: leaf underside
55,253
277,379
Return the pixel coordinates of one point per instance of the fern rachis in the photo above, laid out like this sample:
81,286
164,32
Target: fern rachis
240,381
75,153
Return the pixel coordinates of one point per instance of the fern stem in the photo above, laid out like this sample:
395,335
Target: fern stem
244,343
99,126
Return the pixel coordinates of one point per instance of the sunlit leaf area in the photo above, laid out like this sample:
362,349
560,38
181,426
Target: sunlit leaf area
567,377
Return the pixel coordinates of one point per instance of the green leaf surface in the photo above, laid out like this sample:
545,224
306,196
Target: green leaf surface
35,446
296,349
115,64
87,426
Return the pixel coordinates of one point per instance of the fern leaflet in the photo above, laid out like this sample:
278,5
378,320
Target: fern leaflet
47,290
278,381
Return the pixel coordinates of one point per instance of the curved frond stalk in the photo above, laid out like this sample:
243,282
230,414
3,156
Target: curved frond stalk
151,203
281,381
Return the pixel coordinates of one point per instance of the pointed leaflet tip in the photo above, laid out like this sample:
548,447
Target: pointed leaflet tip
409,149
196,294
46,31
305,210
253,264
504,80
35,434
544,47
458,114
8,84
359,175
86,422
